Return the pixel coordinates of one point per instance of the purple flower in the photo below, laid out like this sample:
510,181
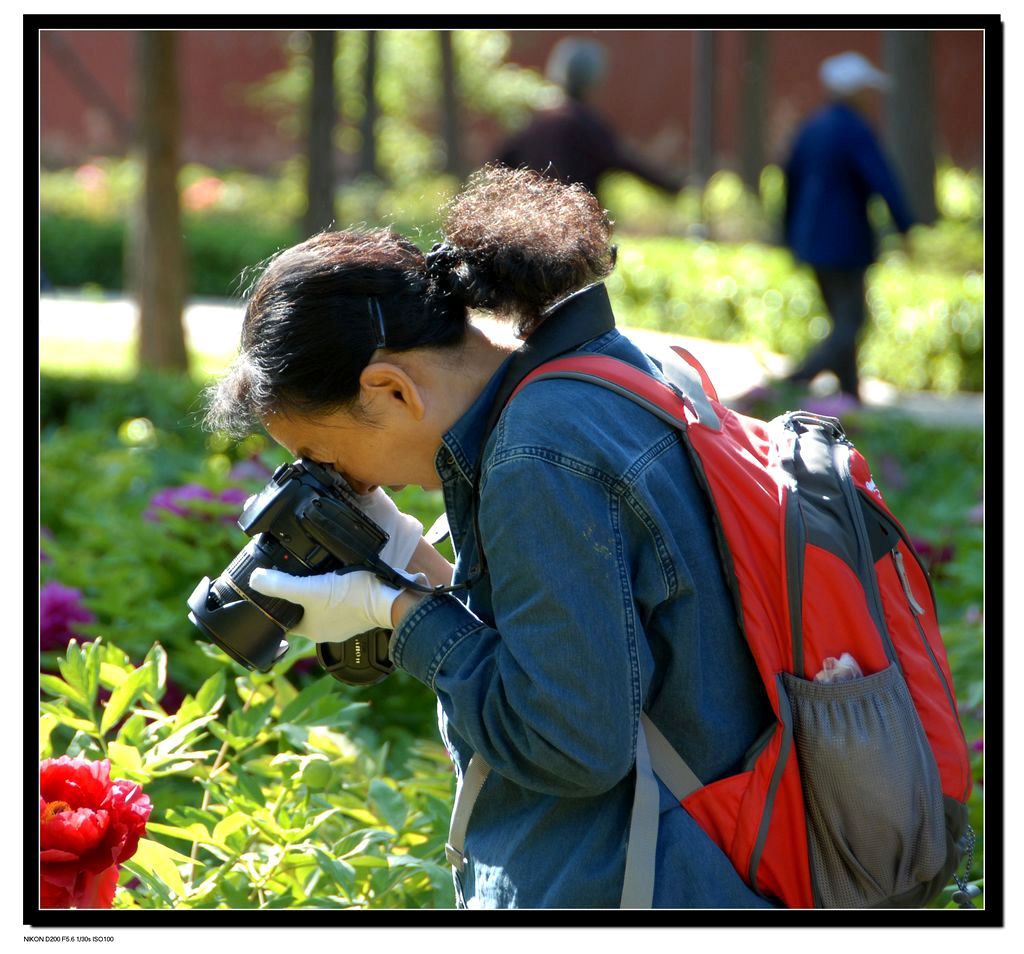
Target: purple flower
978,745
173,697
233,495
305,665
933,555
832,405
60,608
178,499
891,472
251,469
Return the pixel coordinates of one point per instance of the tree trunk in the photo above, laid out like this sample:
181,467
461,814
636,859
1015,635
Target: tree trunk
322,116
702,137
160,265
368,127
910,117
753,108
450,106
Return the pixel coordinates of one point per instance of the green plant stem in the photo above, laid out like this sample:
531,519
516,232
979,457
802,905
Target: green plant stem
206,794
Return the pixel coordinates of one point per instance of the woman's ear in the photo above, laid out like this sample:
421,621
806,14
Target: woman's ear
388,388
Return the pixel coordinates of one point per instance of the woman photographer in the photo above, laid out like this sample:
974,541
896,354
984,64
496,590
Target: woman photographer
596,588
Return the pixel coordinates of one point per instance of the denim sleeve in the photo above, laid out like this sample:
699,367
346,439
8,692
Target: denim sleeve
551,695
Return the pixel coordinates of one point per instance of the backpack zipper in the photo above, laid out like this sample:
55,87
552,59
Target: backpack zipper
901,572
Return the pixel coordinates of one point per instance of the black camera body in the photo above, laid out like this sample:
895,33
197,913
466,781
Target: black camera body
304,522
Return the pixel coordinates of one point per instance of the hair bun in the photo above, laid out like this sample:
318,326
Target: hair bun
452,275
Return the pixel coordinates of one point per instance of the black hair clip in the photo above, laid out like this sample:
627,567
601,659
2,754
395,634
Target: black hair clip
371,304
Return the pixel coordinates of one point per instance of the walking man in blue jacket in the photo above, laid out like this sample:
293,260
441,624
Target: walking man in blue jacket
836,165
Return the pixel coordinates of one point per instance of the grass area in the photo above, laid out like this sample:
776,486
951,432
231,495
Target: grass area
115,359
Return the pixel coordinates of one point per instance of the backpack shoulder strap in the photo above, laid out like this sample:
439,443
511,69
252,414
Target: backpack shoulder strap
691,398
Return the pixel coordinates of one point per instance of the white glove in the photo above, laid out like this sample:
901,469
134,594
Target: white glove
335,607
404,531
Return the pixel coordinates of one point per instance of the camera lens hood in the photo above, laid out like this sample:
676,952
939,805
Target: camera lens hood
240,628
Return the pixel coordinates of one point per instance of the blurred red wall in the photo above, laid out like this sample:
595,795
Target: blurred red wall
647,95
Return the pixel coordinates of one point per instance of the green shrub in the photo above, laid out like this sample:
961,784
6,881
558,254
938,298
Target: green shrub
75,251
927,328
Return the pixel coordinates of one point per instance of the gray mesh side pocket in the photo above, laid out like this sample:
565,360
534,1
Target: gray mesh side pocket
875,822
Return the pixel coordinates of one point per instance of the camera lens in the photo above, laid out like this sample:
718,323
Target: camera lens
263,552
247,625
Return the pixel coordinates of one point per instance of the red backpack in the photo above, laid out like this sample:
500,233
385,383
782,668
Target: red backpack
858,796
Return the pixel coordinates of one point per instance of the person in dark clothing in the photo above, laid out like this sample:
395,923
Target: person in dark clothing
835,166
572,142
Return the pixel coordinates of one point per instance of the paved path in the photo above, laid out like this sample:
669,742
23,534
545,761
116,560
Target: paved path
213,327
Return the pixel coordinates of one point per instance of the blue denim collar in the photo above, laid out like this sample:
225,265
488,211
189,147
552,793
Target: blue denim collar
463,444
588,312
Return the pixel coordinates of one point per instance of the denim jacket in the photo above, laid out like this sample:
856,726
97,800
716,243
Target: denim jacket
603,596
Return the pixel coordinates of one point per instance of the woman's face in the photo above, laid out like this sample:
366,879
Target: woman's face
407,402
366,455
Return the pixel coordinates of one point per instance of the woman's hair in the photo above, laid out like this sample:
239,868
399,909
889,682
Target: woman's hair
515,244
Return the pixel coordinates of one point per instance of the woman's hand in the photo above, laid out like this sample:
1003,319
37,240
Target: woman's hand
336,606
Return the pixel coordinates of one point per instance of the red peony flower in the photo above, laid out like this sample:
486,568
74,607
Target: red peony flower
88,824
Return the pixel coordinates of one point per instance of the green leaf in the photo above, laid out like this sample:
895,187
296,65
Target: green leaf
66,717
248,724
311,826
47,723
357,842
306,699
112,675
156,660
340,872
195,832
123,697
166,749
72,668
93,657
390,804
56,686
367,861
133,731
162,862
211,693
228,825
126,756
151,880
361,815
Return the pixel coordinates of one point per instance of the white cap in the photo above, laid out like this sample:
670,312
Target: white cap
848,73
